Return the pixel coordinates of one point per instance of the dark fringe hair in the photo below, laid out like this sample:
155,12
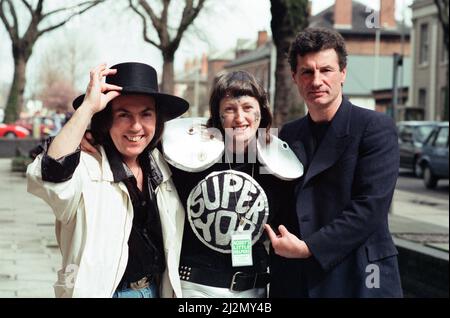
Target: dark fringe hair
102,122
236,84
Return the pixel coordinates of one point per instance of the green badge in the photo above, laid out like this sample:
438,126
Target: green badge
241,249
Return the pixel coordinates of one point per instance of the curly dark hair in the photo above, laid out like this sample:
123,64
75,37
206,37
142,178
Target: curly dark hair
313,40
102,122
235,84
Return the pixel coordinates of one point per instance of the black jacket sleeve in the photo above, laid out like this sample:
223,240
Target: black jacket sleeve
61,169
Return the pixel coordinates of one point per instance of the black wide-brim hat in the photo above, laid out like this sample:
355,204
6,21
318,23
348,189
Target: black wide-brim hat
140,78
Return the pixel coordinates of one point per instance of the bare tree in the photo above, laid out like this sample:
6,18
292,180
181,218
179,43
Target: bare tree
169,40
67,57
59,70
22,45
288,17
442,6
58,95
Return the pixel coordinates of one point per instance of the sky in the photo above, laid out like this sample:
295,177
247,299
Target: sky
117,36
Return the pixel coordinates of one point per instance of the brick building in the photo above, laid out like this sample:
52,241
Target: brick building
372,37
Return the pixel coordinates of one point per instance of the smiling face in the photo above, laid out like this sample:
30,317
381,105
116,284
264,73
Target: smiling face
133,124
240,117
319,79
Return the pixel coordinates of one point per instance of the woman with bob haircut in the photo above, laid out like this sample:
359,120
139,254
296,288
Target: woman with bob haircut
228,200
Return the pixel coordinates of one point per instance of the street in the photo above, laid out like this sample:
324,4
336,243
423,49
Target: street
408,182
428,206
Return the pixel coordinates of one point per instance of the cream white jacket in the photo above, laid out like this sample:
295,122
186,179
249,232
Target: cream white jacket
94,218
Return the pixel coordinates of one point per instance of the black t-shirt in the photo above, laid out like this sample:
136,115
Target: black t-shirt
194,252
145,244
318,132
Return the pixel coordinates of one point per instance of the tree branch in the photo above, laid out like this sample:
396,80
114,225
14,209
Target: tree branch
188,16
13,30
38,11
144,29
29,7
164,36
164,13
4,20
155,21
14,15
91,4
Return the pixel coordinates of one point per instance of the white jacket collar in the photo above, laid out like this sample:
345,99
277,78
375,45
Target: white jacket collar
100,170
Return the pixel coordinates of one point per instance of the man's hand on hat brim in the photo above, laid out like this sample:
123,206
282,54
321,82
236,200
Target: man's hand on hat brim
98,93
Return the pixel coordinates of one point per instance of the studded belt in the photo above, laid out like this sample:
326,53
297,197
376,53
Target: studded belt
235,281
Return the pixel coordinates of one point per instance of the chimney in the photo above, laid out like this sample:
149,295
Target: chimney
343,14
262,38
387,14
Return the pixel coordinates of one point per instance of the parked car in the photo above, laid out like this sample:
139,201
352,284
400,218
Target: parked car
13,131
411,136
434,158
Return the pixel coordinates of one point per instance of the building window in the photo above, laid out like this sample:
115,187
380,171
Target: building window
424,44
422,97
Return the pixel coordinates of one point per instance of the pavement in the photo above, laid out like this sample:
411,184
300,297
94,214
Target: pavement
30,258
420,219
29,255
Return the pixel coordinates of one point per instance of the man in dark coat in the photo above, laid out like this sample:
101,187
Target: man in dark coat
333,238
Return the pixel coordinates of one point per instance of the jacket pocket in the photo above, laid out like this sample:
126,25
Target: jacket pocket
381,250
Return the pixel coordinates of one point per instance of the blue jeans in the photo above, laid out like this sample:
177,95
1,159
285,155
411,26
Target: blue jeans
147,292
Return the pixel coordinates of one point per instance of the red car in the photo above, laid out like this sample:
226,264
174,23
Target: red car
46,125
13,131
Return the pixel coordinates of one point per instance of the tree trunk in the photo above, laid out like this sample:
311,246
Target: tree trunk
22,47
15,101
288,17
167,84
287,101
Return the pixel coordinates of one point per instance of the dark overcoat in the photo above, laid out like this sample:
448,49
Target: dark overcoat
341,209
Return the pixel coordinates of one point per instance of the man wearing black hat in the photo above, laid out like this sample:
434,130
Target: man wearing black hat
117,209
